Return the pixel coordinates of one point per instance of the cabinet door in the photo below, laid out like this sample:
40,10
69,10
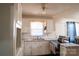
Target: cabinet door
52,48
50,26
35,48
44,48
27,49
40,48
62,51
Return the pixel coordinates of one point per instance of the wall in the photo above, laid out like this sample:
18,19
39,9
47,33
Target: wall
9,15
5,30
60,23
17,23
50,27
59,26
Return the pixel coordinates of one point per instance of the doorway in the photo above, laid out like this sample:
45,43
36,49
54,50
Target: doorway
71,31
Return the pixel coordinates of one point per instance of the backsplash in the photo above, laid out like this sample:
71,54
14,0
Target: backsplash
28,37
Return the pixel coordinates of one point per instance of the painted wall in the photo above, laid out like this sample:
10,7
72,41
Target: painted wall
61,26
17,23
50,27
5,30
9,15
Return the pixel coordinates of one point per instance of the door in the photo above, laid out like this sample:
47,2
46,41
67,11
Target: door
71,31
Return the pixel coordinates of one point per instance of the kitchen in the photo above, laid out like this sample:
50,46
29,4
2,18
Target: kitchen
39,29
54,17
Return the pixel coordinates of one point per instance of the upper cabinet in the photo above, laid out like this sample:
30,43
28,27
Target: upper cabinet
50,26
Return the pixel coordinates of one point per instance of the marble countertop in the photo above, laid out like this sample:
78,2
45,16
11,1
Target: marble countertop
35,40
68,44
55,42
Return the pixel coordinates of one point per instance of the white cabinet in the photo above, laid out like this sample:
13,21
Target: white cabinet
27,48
50,30
69,49
40,48
52,48
44,47
36,48
50,26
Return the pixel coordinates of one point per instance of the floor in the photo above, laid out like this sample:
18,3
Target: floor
51,55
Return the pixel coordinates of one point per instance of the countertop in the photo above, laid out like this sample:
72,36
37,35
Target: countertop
35,40
68,44
56,43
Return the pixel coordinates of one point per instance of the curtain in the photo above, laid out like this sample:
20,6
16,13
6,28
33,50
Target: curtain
71,31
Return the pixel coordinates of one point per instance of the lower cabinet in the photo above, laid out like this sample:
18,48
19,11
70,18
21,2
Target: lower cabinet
27,49
36,48
69,49
52,48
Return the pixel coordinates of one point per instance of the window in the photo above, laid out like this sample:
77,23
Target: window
36,28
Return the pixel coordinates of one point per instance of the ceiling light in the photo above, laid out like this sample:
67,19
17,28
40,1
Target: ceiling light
43,8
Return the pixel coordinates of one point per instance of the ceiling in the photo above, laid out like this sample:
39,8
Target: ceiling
51,9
